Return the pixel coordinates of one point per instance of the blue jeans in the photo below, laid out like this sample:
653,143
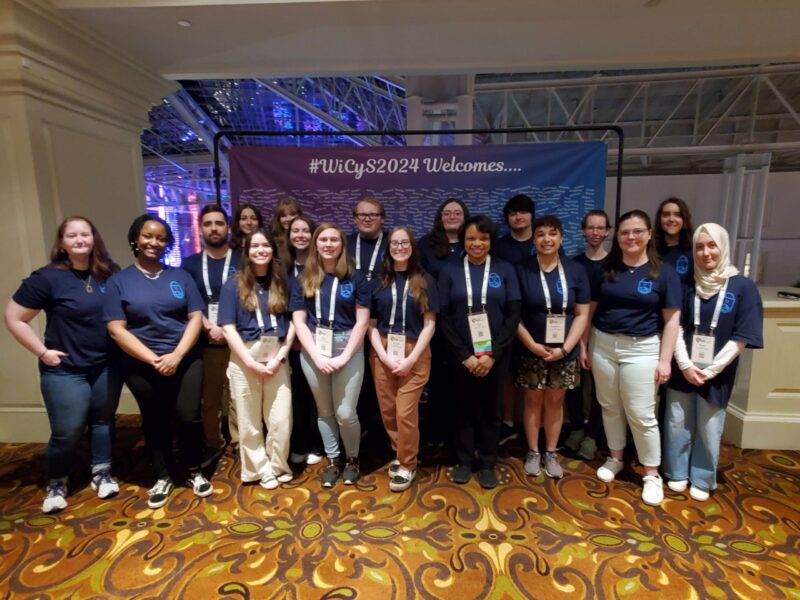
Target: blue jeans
75,397
692,434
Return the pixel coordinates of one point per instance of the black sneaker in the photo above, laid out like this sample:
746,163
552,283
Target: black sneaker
351,471
330,474
159,493
487,478
507,433
462,473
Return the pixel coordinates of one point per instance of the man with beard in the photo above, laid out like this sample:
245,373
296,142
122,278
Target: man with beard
210,269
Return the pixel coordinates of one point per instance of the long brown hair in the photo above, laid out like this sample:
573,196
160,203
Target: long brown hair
101,266
313,274
285,205
237,235
613,262
415,273
440,243
312,226
685,235
248,286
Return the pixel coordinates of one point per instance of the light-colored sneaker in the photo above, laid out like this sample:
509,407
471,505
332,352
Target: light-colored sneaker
678,486
313,458
159,493
552,465
200,485
697,494
533,463
610,469
55,498
104,484
394,468
285,477
588,449
653,490
402,480
574,439
269,482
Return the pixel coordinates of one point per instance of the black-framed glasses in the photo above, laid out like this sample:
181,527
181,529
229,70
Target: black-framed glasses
400,244
368,216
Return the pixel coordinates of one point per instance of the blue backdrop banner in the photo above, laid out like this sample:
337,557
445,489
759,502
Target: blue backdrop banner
565,179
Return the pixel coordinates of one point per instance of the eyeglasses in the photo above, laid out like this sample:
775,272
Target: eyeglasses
635,233
367,216
452,213
595,229
400,244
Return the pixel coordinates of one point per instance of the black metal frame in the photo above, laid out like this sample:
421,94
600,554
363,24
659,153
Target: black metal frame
272,133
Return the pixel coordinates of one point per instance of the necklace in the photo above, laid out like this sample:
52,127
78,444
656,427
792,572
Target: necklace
87,283
148,274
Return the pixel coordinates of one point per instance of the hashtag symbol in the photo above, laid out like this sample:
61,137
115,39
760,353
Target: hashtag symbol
313,166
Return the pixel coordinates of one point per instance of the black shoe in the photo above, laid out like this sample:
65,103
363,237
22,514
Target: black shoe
351,471
330,475
487,478
462,473
507,433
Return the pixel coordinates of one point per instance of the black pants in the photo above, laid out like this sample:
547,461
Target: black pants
167,401
479,412
574,407
436,416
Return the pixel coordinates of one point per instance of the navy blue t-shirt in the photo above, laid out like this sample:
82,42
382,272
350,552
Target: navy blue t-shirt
512,251
367,247
382,307
681,259
74,323
534,307
503,288
194,265
433,264
231,312
353,291
741,319
156,310
593,268
632,304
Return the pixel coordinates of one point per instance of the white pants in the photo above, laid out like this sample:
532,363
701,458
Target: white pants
624,370
268,400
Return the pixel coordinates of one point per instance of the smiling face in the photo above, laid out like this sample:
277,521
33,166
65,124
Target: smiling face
152,241
287,218
706,252
78,240
596,230
260,252
215,229
477,244
671,219
300,235
400,247
452,217
369,219
329,244
248,221
547,240
633,237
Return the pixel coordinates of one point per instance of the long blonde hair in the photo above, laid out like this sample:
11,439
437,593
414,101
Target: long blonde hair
313,274
248,286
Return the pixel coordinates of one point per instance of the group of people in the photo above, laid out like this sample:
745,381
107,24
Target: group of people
271,334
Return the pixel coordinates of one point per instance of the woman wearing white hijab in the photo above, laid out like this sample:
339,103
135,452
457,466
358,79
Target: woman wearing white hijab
722,315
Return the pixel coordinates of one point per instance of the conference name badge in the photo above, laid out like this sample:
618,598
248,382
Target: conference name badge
556,330
480,333
324,340
213,312
702,350
265,348
396,346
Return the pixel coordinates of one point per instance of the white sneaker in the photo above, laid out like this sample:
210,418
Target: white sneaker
394,468
653,490
285,477
697,494
610,469
678,486
104,484
269,482
200,485
402,480
55,498
158,495
313,458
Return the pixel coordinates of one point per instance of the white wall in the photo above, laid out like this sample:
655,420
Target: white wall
780,246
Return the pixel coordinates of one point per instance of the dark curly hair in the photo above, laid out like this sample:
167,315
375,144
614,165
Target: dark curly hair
136,228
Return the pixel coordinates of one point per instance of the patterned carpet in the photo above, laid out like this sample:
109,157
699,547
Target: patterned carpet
529,538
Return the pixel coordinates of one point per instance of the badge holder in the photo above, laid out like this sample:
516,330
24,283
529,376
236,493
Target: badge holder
265,349
702,350
396,346
556,329
480,333
323,338
213,312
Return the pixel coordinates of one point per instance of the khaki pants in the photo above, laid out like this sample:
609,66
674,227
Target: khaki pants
257,400
398,398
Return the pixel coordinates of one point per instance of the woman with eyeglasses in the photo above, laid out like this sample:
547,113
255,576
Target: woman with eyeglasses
480,310
402,323
78,368
155,313
722,316
330,308
630,352
245,221
253,313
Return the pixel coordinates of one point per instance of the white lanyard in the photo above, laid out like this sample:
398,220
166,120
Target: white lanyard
717,309
484,284
272,320
402,309
318,303
296,272
374,257
224,271
546,289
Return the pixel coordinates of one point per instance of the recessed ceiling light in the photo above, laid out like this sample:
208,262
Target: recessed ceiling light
184,23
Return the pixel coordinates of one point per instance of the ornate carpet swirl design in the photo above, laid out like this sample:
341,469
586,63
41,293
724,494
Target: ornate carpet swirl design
529,538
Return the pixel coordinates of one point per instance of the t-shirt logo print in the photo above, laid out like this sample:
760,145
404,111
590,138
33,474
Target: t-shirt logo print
346,289
495,281
645,287
559,289
728,303
682,265
177,290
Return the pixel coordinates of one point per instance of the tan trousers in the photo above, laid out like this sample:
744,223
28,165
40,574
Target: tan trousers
398,398
260,401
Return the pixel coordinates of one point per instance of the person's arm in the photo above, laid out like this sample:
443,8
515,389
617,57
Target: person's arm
672,317
18,320
236,344
585,358
429,326
726,355
377,344
167,364
299,319
508,329
274,364
130,344
575,334
214,332
524,336
356,338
